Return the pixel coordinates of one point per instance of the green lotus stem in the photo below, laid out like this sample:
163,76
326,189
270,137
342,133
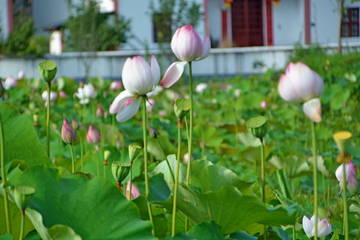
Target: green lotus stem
93,110
102,133
104,171
22,230
203,142
177,177
48,121
323,183
236,129
294,233
98,163
328,194
190,137
84,113
72,158
187,128
344,191
313,136
131,164
81,153
263,197
167,161
113,130
144,118
3,174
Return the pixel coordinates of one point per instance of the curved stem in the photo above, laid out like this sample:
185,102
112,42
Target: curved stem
314,153
190,137
263,197
345,216
177,178
144,118
22,230
3,174
73,158
81,153
167,161
48,121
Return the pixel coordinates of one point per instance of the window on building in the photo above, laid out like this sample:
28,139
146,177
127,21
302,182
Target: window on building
350,23
161,28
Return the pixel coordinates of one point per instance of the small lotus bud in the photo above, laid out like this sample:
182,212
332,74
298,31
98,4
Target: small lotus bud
118,144
263,104
93,136
257,126
75,124
182,107
106,114
23,196
106,95
150,104
47,70
135,192
120,170
162,113
21,74
153,132
54,159
2,89
100,112
106,154
345,104
96,148
134,151
342,140
329,214
186,158
62,94
81,84
68,134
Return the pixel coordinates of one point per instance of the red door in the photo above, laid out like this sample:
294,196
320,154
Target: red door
247,23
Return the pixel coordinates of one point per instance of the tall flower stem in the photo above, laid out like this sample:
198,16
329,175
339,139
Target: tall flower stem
81,153
144,118
177,177
97,162
314,153
263,197
236,129
73,158
22,230
48,121
130,178
3,174
167,161
102,133
345,216
84,112
190,136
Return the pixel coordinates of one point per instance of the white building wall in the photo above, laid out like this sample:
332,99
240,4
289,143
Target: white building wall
327,19
215,7
141,22
4,24
288,22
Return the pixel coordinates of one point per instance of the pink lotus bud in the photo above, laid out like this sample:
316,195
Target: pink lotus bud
150,104
10,82
353,185
21,74
300,83
105,94
100,112
153,132
162,113
68,134
263,104
75,124
118,144
62,94
186,158
187,46
93,136
116,85
135,192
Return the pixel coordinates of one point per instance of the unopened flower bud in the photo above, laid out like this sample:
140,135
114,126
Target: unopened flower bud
93,136
68,134
100,112
23,196
342,140
75,124
106,154
120,170
134,151
47,70
62,94
257,126
36,118
118,144
135,192
177,96
21,74
153,132
186,158
106,95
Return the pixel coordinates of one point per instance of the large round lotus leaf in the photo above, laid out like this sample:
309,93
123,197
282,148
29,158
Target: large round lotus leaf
94,209
202,231
21,141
